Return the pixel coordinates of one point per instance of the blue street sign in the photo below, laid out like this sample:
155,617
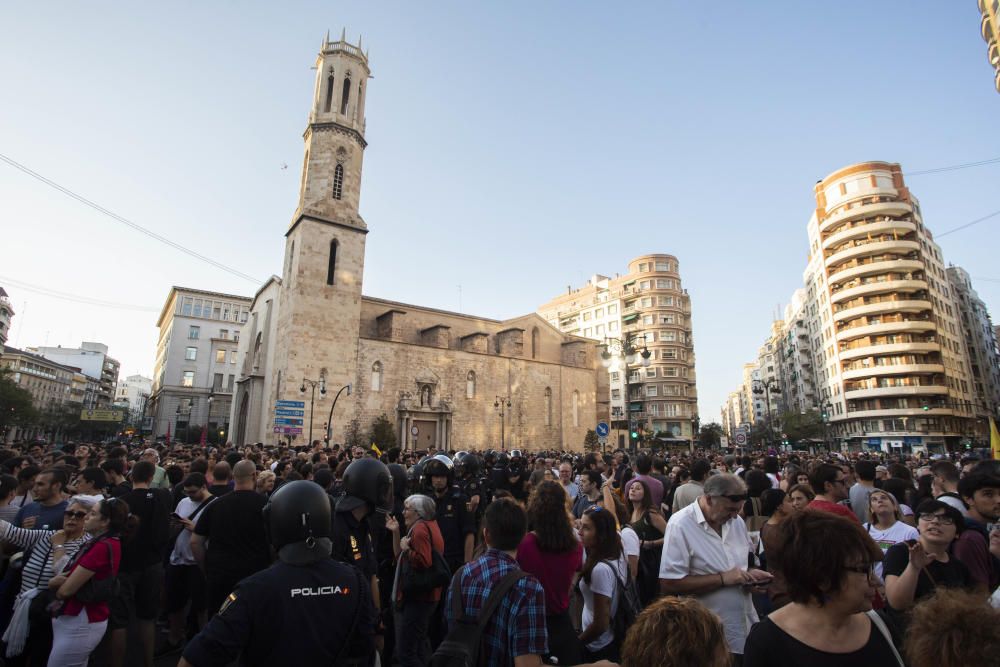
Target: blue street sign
289,404
290,413
288,421
602,429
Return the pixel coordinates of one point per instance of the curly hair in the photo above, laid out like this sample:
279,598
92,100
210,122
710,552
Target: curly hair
549,518
675,632
953,628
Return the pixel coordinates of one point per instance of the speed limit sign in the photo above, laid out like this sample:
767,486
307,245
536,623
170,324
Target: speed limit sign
741,438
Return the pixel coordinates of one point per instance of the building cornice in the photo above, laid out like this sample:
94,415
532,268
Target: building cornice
336,128
324,221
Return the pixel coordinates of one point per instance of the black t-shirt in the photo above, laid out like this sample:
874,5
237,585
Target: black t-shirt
119,490
770,646
952,574
146,547
234,528
291,615
219,490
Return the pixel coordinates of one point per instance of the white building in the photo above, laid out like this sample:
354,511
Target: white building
195,368
93,361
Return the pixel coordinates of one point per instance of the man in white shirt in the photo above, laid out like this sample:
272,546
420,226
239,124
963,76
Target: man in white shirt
184,578
705,554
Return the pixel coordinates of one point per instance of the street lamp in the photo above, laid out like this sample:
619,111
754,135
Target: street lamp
628,351
695,422
499,404
321,383
767,387
329,420
827,411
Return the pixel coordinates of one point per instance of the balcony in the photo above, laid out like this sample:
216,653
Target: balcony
865,211
893,369
878,287
872,248
856,269
914,306
882,392
897,326
903,412
889,348
862,230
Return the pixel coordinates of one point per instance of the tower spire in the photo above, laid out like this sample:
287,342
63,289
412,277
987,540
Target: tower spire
343,34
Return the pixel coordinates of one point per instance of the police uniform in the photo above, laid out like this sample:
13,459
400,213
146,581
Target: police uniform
352,543
270,614
455,521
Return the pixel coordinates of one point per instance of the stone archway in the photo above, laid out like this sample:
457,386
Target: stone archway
423,416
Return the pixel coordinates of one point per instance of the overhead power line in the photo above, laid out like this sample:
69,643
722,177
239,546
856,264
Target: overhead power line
126,221
954,167
38,289
968,224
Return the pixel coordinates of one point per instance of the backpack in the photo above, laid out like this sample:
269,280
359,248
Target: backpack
629,605
756,521
460,647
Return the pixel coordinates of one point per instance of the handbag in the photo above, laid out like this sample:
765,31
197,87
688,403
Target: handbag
100,590
420,582
38,611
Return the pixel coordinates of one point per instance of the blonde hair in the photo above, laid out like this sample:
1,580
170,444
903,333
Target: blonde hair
896,511
676,632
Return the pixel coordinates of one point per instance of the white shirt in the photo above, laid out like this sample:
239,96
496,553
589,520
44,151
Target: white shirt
630,541
692,547
182,554
603,581
896,533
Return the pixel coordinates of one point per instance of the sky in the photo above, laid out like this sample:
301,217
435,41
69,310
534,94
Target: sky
515,149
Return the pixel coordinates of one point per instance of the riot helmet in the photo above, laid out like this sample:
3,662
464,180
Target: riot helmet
297,522
368,482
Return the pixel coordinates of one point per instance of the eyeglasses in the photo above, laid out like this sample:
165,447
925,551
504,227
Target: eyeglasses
75,515
942,519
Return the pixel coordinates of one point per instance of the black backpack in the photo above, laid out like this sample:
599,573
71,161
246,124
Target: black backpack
629,605
460,647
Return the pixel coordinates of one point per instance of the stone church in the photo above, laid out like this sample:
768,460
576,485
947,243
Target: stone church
442,378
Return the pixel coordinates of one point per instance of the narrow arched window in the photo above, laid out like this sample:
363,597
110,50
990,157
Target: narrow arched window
470,385
534,342
346,96
338,181
256,350
377,376
288,265
548,406
329,93
576,408
331,269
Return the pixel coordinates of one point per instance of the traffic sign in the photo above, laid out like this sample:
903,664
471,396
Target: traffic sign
602,429
741,438
287,429
289,404
290,413
288,421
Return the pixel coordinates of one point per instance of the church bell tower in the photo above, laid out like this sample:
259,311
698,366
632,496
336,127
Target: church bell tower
320,303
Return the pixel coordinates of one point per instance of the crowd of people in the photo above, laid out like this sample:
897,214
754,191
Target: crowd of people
123,553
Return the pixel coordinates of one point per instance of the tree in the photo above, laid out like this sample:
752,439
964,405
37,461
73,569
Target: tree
590,441
16,408
710,435
802,425
383,433
353,437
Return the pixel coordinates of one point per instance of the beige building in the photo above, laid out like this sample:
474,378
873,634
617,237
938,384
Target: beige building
886,335
6,314
990,28
440,377
648,309
49,383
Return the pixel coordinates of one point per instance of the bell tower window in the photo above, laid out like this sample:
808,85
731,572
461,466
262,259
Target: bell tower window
329,93
346,96
338,181
331,269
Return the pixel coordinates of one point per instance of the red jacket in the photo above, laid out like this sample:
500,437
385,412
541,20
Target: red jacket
424,536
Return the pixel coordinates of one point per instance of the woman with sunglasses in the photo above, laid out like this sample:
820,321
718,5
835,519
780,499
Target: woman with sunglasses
30,634
914,569
77,624
603,568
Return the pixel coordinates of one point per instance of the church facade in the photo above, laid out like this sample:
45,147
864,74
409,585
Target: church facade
443,379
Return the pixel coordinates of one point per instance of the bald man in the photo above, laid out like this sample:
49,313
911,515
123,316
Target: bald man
233,528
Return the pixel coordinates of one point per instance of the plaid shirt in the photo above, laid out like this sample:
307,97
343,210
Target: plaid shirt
518,626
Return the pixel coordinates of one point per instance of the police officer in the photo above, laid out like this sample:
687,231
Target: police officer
305,609
457,523
467,468
367,489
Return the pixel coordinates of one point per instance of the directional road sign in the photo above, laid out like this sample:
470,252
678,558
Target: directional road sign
289,404
288,421
288,429
281,412
602,429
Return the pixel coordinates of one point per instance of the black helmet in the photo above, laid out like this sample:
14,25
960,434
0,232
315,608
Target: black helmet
503,460
366,482
435,468
467,464
297,522
399,479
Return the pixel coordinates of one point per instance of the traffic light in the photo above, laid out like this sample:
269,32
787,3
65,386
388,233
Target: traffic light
925,407
635,435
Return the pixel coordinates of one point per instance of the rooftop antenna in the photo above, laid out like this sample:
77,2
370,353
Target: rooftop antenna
459,298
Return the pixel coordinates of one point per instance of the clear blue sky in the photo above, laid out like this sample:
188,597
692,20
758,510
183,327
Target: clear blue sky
515,148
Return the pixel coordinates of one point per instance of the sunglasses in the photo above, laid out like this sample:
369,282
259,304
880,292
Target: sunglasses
74,515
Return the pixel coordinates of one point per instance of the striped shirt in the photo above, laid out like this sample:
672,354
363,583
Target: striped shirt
518,626
37,569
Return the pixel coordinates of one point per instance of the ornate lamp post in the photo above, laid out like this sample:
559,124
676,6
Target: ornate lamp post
329,419
628,352
321,383
499,404
767,387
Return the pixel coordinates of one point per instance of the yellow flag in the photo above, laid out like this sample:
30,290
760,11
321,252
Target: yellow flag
378,452
994,439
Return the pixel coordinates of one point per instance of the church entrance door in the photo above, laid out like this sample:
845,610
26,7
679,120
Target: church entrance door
426,433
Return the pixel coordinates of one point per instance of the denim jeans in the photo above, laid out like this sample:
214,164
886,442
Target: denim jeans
412,646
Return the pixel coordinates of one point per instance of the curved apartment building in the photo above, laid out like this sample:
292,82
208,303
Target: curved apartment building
886,332
649,308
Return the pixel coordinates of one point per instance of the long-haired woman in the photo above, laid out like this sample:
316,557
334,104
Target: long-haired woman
649,527
603,569
552,552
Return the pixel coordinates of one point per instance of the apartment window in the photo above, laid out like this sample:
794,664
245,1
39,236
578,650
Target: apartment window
220,356
191,353
588,331
646,302
647,319
663,266
229,383
186,306
666,300
232,356
224,334
650,372
612,309
612,327
651,390
217,382
668,354
643,267
669,336
599,313
194,332
197,307
666,319
616,394
670,372
644,284
599,330
187,380
615,376
587,316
